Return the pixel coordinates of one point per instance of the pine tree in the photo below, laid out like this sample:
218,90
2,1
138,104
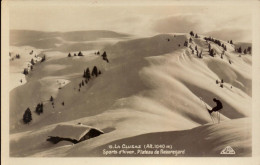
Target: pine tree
190,40
191,33
196,36
104,55
43,58
249,49
211,53
231,42
25,71
185,44
32,62
80,54
51,99
82,83
94,71
69,55
88,74
239,50
200,55
245,51
39,109
225,48
27,116
99,72
84,74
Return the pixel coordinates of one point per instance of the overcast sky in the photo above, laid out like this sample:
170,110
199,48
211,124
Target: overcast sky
222,21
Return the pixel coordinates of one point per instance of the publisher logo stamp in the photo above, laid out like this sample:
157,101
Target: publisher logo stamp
228,151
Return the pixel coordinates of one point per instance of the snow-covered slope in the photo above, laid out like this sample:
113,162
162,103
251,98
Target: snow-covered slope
207,140
149,85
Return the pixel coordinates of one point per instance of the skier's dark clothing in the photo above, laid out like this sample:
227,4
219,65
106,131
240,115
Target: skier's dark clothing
217,107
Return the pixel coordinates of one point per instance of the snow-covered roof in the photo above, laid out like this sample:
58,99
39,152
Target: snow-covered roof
72,131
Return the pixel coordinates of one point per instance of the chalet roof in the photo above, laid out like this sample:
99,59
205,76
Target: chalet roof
72,131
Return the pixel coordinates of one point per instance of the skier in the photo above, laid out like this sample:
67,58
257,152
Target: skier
217,107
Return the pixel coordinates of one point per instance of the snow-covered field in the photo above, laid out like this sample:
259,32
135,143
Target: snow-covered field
149,92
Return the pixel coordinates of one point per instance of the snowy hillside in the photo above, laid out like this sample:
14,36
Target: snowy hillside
150,88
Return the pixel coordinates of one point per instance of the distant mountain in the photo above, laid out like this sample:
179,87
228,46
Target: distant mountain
237,35
46,40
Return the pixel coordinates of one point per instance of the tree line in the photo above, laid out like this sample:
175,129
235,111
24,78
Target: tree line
104,55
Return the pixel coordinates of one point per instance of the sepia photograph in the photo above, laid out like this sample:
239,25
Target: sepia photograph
99,79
